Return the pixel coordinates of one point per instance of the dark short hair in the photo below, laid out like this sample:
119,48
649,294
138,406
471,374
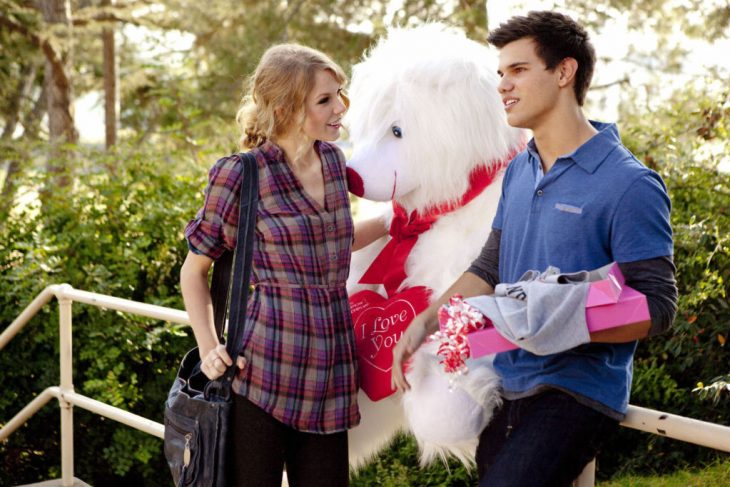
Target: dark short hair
557,37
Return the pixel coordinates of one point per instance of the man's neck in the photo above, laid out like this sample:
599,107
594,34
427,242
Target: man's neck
562,135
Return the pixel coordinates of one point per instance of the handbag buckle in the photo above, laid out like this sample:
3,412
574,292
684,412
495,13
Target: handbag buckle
220,388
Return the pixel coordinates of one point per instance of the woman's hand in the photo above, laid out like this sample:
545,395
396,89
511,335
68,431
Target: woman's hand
216,362
412,338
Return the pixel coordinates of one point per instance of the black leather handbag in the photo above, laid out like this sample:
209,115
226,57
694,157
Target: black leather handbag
198,410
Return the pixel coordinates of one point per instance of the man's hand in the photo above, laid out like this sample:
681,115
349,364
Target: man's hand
412,338
426,323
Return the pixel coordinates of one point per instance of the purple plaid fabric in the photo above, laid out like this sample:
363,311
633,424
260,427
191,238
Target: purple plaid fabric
301,347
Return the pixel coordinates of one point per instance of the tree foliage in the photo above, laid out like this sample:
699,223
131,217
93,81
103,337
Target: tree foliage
116,231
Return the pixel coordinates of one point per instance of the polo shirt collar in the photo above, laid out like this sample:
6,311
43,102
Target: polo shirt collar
591,154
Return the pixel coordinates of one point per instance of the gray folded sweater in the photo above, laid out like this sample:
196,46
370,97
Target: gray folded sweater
543,313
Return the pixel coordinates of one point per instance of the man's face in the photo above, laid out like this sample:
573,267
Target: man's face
529,91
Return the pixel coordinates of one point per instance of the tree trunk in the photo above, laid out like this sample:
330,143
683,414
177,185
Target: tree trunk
32,120
59,98
11,166
111,92
25,85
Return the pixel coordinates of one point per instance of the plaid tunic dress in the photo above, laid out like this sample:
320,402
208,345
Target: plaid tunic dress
300,348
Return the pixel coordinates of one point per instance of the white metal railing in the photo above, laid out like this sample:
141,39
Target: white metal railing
65,394
648,420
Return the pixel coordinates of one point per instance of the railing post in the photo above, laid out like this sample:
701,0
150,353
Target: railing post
587,478
67,413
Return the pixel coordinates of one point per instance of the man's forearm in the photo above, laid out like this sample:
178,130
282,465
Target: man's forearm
655,279
622,334
467,285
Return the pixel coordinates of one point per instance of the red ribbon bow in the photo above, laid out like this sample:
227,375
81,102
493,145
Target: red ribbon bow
388,268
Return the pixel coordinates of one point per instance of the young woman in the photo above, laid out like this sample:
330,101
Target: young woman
296,388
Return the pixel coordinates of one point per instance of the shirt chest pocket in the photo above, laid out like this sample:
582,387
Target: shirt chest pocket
568,226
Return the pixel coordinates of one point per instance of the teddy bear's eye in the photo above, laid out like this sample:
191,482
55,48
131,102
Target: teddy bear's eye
397,131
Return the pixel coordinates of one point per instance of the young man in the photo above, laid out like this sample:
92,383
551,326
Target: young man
575,199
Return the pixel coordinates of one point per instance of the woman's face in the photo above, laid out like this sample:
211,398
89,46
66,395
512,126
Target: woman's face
324,108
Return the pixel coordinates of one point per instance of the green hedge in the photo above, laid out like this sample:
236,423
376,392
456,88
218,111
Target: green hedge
686,141
116,230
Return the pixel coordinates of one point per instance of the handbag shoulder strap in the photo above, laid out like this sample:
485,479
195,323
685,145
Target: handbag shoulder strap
233,272
242,259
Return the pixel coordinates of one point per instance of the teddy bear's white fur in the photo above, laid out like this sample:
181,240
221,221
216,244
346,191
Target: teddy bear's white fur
425,112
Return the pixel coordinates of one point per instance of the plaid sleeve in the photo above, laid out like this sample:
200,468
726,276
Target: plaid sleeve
213,230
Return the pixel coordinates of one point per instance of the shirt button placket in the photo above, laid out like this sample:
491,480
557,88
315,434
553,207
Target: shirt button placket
330,240
537,201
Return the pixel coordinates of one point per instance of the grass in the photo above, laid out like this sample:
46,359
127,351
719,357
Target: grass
716,475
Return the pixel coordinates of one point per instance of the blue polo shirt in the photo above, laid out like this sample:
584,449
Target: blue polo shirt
596,205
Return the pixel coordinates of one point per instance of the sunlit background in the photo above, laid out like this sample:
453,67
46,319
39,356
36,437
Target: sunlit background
616,67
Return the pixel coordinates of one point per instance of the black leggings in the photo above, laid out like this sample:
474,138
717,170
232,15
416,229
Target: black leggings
261,446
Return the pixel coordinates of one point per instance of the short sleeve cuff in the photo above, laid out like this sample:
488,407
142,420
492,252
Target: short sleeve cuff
647,253
204,238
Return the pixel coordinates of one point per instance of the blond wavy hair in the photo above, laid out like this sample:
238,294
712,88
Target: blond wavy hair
274,100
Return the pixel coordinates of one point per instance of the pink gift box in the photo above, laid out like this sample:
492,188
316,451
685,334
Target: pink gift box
487,341
610,303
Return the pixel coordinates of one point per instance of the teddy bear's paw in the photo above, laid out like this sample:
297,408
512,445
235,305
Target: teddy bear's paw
446,414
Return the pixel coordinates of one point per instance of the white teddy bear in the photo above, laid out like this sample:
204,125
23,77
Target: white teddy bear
430,134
